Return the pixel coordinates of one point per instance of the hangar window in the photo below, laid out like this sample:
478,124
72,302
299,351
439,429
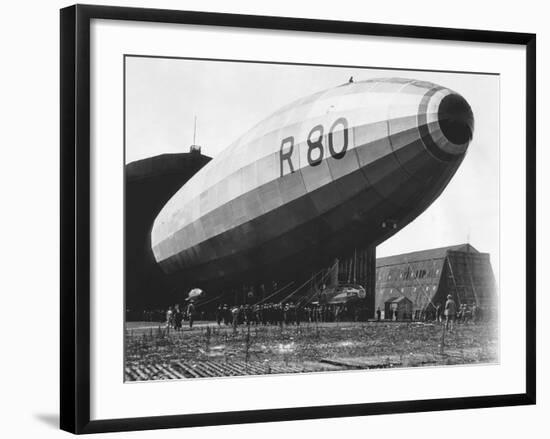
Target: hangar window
421,274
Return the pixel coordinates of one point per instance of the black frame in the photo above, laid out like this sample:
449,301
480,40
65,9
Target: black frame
75,217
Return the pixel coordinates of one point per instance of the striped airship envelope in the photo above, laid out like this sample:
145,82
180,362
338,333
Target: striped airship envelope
321,175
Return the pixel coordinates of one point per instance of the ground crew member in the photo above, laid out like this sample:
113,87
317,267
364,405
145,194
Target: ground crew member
178,318
191,314
450,313
235,314
169,318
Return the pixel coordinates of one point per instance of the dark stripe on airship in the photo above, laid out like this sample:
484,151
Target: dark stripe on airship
424,131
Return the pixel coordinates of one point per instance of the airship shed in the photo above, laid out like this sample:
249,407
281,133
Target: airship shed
427,277
149,185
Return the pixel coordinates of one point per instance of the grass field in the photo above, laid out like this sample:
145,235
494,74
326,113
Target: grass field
153,352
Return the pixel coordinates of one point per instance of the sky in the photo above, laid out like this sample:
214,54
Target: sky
163,96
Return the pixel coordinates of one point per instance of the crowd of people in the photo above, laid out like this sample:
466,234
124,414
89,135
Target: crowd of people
294,314
462,313
279,314
260,314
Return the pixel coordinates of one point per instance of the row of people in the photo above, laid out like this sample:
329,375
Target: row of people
462,313
278,313
292,313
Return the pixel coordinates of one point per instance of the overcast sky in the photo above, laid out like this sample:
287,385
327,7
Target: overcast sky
164,95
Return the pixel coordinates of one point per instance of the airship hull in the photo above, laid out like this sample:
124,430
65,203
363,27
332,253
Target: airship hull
346,167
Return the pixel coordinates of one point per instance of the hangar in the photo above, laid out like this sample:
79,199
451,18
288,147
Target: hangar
427,277
149,185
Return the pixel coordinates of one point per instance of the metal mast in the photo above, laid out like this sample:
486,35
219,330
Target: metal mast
195,131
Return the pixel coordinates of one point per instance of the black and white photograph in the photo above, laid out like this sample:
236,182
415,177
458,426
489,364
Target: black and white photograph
286,218
274,219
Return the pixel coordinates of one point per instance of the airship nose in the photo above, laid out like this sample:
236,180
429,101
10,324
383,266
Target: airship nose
456,119
446,123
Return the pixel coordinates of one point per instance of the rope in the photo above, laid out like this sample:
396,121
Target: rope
301,300
422,290
454,281
471,280
306,299
308,280
300,287
208,301
276,292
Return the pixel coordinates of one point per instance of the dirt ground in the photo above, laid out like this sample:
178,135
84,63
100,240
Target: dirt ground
153,352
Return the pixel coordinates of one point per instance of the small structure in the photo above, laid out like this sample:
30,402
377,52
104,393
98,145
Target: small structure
398,308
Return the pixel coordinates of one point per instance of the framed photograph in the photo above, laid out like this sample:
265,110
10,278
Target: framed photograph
274,218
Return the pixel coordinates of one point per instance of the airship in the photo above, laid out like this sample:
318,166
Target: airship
345,167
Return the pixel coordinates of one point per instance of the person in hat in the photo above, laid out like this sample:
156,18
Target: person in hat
450,313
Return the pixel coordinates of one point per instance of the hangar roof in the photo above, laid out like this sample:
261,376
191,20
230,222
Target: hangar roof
423,255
